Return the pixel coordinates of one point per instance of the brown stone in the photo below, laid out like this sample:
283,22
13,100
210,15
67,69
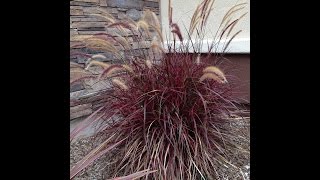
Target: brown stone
116,31
73,32
90,32
103,3
80,108
151,4
76,7
80,113
91,10
112,10
75,12
155,10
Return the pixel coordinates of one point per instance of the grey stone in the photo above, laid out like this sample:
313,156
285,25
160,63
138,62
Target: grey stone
137,4
121,15
151,4
78,94
141,45
111,10
91,10
89,32
86,4
76,87
80,110
91,29
80,113
73,32
134,14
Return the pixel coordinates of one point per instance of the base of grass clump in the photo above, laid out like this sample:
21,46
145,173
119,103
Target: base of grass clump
105,167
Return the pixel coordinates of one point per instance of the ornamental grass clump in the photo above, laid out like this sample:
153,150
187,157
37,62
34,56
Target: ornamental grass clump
169,112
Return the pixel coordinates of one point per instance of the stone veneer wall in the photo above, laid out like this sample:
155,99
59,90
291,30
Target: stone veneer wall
84,94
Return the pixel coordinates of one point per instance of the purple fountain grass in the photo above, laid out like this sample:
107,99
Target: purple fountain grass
172,114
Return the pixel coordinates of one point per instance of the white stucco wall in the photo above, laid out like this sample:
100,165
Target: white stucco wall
183,11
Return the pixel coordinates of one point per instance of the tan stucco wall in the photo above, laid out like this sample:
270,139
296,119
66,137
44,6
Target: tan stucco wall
183,11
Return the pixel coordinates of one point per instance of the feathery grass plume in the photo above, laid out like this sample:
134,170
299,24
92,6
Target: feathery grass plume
105,36
141,24
151,18
153,22
98,56
77,46
230,26
215,70
170,12
110,70
205,11
121,24
233,10
81,78
156,46
123,42
119,83
159,33
198,59
97,63
227,18
176,30
132,24
201,15
228,43
234,24
128,68
149,63
106,13
211,76
100,44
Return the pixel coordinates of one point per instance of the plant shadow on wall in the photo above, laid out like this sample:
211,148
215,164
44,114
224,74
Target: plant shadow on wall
169,113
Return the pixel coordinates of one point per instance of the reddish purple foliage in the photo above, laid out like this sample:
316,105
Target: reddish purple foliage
168,100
